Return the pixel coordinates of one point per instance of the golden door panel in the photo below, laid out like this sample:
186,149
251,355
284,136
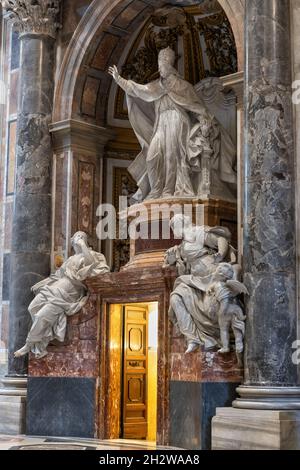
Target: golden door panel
135,373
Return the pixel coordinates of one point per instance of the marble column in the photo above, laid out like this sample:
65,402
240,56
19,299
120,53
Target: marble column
31,233
265,414
270,219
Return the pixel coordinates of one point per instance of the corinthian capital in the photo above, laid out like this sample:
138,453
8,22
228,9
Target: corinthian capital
34,16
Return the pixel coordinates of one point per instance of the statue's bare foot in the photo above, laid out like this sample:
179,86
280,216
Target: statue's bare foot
224,351
21,352
192,347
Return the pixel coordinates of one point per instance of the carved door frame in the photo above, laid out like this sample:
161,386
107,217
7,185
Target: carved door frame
163,366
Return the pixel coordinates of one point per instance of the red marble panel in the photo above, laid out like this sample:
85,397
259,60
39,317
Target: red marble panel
85,195
61,185
150,244
202,366
8,225
86,181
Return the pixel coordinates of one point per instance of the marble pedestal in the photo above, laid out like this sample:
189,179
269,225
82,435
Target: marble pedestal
64,387
238,429
13,406
199,383
154,220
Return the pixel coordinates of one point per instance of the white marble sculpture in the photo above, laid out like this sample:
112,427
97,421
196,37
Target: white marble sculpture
60,295
183,145
198,314
225,288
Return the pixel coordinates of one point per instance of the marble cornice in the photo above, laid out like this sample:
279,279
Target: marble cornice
80,136
38,17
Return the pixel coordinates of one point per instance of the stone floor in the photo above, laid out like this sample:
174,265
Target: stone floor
52,443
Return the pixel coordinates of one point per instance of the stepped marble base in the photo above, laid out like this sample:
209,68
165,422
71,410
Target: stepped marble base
268,398
241,429
13,406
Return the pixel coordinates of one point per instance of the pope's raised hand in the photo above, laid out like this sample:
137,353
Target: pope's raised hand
113,71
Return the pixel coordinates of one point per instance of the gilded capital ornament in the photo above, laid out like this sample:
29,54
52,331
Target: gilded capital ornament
34,16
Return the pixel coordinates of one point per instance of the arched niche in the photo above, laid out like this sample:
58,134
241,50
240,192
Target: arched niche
101,36
81,126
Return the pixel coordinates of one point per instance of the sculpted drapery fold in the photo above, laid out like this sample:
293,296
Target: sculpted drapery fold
180,139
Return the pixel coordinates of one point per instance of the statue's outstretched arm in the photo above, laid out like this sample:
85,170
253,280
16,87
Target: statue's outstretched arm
136,90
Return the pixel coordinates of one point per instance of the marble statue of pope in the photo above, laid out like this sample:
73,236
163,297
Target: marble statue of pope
175,131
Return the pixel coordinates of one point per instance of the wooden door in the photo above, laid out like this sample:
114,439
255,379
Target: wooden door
135,373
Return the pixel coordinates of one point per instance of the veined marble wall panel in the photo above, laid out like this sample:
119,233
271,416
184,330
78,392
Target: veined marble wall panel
9,74
61,206
85,195
86,206
202,366
76,195
295,12
78,356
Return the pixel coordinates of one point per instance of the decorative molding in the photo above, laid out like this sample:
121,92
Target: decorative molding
86,186
34,16
80,136
235,82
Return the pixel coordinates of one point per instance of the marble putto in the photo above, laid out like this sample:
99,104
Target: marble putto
204,303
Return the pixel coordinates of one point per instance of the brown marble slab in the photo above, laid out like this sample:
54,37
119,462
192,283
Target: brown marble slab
202,366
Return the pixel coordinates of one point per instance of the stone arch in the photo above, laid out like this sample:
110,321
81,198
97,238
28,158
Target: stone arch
71,76
235,10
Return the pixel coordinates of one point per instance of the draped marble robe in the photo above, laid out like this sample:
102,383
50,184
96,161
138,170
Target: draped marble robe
191,308
61,295
168,118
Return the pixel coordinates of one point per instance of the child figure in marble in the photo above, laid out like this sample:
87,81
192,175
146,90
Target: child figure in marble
225,288
197,258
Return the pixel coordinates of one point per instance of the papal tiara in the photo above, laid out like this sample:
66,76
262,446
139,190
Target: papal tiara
168,55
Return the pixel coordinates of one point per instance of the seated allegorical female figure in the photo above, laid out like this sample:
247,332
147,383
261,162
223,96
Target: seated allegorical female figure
60,295
192,309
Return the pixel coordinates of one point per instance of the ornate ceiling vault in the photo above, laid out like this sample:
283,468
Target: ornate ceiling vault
202,38
131,37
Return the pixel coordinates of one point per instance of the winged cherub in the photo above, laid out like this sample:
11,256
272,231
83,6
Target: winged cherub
226,288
